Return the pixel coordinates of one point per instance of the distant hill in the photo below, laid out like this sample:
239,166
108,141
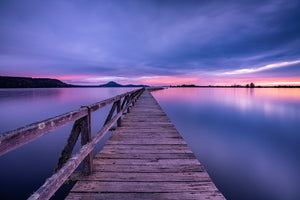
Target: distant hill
111,84
25,82
114,84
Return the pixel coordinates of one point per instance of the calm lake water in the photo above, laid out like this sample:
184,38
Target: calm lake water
247,139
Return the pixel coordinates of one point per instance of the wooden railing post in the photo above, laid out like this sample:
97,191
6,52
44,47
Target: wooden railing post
126,99
111,112
67,151
86,136
129,99
118,110
133,95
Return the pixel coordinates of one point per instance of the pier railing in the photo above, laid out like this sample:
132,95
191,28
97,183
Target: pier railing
82,125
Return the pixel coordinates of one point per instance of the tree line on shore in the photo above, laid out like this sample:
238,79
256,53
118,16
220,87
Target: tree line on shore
251,85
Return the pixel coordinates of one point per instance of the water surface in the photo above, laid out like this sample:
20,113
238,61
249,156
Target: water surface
247,139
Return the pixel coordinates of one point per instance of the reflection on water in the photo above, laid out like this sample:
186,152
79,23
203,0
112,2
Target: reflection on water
24,170
247,139
20,107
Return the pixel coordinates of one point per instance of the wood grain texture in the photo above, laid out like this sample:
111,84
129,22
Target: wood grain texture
86,137
13,139
195,195
145,158
142,177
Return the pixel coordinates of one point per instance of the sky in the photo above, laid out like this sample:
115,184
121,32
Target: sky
153,42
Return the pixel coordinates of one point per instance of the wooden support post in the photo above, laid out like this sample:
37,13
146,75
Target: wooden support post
128,110
86,137
67,151
129,99
111,112
118,110
126,99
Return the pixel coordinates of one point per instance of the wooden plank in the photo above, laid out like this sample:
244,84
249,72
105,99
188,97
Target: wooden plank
147,134
146,137
145,150
137,148
148,196
137,130
154,138
146,161
146,130
146,187
142,177
149,168
149,125
148,116
123,155
153,141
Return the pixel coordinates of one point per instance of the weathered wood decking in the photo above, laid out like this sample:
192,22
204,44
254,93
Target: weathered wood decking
146,158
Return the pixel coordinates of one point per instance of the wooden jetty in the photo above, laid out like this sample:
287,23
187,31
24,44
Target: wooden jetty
145,157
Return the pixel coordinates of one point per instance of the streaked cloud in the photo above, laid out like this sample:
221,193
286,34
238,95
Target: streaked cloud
263,68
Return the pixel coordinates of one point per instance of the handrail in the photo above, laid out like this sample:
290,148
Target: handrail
67,165
13,139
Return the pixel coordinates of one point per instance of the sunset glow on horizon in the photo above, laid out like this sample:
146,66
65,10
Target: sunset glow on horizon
175,80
